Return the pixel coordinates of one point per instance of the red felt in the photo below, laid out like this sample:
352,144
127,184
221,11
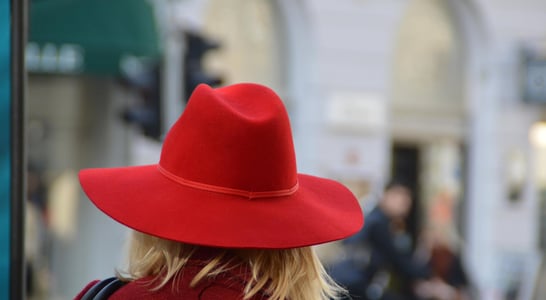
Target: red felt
237,137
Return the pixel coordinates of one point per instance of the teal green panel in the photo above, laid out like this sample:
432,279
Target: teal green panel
5,165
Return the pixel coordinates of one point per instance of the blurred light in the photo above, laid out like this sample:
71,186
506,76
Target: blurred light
32,56
537,134
70,58
48,60
63,197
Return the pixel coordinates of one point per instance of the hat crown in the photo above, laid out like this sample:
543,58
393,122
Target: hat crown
236,137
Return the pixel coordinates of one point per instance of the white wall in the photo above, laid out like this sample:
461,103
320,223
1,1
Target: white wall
503,235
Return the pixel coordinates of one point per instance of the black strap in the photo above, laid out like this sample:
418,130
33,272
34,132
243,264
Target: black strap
103,289
109,289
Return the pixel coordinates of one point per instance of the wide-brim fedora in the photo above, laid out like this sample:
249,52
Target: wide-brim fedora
227,178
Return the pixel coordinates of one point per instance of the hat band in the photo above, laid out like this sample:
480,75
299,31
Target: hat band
226,190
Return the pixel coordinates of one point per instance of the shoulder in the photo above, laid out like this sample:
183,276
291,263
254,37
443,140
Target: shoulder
226,286
377,218
210,290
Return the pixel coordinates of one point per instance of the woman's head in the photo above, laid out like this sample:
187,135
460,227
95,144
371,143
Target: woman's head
294,274
396,201
227,178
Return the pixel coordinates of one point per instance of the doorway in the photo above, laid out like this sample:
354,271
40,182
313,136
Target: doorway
405,167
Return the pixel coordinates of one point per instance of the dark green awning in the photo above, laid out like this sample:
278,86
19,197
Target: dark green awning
90,36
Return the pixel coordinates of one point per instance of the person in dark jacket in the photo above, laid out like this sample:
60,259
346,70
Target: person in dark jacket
381,249
224,215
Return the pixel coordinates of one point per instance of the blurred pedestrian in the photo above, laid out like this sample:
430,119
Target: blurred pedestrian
381,252
449,279
224,214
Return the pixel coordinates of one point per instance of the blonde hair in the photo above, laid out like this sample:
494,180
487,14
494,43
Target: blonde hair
295,274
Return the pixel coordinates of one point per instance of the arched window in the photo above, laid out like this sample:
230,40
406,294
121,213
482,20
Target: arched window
427,75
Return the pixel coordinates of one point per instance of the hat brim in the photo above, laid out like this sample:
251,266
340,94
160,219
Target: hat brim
142,198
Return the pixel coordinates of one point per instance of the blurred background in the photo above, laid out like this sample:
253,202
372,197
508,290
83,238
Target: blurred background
449,95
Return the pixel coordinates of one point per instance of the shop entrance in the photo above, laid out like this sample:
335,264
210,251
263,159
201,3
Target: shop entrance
405,167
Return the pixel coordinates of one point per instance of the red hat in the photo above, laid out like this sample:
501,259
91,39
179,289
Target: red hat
227,178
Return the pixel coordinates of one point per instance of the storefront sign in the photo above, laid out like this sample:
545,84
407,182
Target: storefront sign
356,112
